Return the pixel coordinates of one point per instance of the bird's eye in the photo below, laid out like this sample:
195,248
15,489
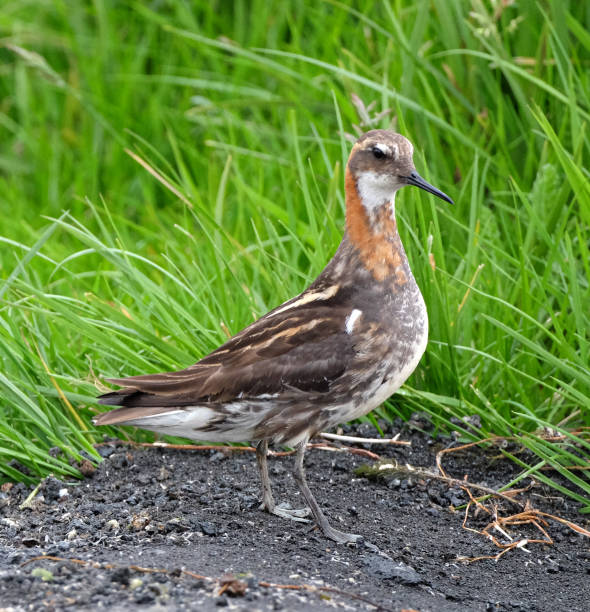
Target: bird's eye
377,153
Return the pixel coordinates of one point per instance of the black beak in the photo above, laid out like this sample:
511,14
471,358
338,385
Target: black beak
416,180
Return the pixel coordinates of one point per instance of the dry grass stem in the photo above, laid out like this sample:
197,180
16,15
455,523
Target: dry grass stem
357,440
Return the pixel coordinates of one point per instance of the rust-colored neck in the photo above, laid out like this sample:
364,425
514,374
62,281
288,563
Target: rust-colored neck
374,234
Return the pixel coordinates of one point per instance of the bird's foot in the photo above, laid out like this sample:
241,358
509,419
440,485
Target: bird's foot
284,510
340,537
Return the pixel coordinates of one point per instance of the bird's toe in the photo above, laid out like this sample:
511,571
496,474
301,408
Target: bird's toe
341,536
284,510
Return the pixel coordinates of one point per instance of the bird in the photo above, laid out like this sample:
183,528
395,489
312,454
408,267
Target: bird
327,356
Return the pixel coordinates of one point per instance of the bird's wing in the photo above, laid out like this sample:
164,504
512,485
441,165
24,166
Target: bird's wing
301,346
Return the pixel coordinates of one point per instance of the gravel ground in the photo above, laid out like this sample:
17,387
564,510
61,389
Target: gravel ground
159,529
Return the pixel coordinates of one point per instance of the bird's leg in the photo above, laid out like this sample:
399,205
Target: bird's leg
268,502
318,515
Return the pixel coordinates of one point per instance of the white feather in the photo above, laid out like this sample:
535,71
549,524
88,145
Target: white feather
351,320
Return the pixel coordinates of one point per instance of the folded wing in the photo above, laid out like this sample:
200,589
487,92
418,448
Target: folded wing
295,349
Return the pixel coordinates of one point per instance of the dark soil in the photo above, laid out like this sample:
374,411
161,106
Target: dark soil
185,514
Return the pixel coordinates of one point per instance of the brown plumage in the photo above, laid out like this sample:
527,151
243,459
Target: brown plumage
331,354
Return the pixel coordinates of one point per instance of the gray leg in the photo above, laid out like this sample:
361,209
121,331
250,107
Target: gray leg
268,502
318,515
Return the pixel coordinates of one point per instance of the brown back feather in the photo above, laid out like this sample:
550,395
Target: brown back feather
303,348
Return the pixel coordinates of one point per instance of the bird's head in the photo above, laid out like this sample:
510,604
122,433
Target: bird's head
380,163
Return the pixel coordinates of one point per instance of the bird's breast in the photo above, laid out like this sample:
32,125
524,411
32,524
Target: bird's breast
408,340
390,337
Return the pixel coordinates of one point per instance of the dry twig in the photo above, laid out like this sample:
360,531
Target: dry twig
528,516
357,440
248,449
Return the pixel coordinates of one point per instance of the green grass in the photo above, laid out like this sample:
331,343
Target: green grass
198,149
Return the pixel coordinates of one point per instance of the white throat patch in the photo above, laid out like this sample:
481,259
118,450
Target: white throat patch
376,189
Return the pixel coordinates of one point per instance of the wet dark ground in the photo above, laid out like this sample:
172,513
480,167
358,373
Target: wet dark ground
191,518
